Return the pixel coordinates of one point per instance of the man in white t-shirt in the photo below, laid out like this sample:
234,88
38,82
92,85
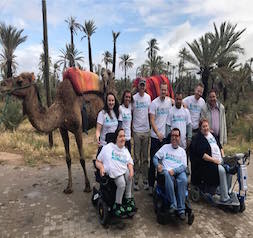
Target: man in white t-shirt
195,103
159,111
179,117
141,131
171,161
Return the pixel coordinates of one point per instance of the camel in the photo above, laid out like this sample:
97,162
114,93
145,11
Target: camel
64,113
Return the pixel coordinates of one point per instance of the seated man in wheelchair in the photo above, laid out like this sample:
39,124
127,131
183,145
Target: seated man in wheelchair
116,161
208,168
171,162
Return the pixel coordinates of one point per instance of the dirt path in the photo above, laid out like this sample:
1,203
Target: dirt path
32,205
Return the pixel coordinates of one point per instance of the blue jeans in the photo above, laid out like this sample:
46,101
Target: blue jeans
176,198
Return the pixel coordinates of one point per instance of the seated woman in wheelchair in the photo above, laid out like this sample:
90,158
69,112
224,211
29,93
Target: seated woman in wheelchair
207,165
116,161
171,161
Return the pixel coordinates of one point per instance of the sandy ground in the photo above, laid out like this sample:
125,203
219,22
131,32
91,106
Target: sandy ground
32,204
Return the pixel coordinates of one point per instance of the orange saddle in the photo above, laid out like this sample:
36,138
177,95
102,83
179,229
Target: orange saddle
82,81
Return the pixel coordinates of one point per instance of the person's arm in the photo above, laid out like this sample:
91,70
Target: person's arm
98,132
189,131
168,130
131,170
101,168
207,157
152,121
179,169
156,163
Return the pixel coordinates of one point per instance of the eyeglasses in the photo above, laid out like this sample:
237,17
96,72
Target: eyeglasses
174,135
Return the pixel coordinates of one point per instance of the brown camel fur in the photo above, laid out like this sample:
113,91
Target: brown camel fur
64,113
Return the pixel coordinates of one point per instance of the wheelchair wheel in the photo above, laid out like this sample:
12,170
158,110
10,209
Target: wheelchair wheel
94,197
195,193
103,212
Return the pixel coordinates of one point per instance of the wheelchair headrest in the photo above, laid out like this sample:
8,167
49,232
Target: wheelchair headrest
110,137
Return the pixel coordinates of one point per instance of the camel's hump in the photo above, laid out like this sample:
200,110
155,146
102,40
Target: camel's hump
82,81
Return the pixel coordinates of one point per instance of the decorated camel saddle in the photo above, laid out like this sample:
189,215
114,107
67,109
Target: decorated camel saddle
82,81
153,85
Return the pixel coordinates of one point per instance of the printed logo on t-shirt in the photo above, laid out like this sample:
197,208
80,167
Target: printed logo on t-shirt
172,158
162,111
109,120
178,118
194,108
126,116
119,157
211,140
141,104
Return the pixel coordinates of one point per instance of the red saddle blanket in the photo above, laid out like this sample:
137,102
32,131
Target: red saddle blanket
153,85
82,81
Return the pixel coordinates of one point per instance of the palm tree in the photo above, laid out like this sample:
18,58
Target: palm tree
115,36
126,63
10,38
214,50
89,28
152,48
73,27
156,65
142,71
107,58
68,56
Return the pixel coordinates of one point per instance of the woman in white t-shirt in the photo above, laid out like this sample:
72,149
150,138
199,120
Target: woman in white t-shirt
125,116
107,120
116,161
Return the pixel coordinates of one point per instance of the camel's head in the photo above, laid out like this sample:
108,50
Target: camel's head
19,85
108,80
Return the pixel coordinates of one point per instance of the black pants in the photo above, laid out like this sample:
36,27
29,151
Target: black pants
128,145
155,146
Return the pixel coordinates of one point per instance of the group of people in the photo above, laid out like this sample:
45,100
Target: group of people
194,127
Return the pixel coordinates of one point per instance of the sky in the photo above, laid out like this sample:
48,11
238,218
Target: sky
171,22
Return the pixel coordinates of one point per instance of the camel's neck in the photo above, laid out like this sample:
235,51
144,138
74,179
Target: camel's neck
43,119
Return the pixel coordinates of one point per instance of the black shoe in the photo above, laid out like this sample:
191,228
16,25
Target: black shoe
171,210
181,216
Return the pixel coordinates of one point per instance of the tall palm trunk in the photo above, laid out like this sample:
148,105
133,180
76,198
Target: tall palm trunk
9,69
46,68
114,57
125,75
204,77
90,56
72,62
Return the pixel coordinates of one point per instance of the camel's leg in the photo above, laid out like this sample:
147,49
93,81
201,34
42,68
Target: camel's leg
65,138
79,142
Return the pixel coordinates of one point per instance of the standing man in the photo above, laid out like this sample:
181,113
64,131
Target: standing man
158,113
179,117
214,112
141,133
195,103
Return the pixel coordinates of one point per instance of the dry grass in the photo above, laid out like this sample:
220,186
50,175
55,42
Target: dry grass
34,145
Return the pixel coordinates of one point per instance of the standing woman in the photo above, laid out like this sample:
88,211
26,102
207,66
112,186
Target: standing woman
125,116
107,120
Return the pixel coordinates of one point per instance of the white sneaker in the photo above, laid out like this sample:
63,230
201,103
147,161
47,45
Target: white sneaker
136,187
145,186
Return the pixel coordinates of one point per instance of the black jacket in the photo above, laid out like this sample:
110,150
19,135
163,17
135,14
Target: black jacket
203,171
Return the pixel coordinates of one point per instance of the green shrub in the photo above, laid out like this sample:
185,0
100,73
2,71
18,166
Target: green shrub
12,114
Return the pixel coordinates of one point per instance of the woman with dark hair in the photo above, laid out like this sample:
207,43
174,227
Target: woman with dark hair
107,120
206,155
125,116
116,161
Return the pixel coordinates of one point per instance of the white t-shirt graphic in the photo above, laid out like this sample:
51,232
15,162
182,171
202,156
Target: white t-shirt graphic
125,115
109,125
195,107
171,158
179,118
214,147
160,109
115,159
140,112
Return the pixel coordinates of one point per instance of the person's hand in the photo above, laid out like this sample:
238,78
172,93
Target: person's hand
131,174
216,161
98,141
102,171
160,136
159,168
171,172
